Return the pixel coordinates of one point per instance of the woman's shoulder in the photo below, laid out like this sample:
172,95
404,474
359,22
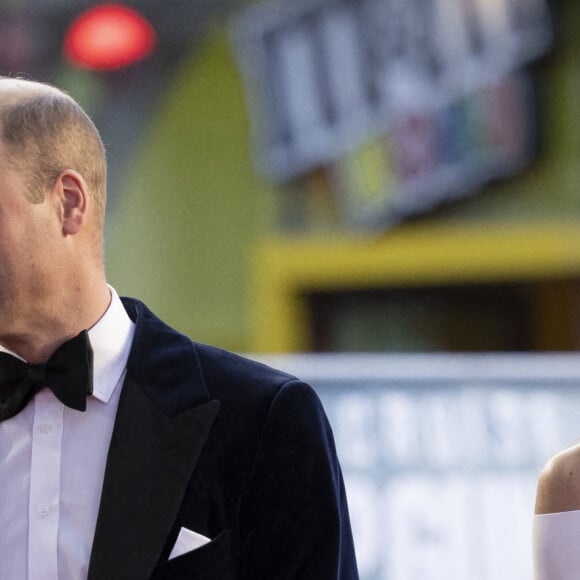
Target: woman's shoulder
559,483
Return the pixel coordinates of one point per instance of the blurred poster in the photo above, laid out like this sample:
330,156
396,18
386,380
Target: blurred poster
325,78
434,154
441,454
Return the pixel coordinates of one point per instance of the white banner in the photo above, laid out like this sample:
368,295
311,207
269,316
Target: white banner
441,454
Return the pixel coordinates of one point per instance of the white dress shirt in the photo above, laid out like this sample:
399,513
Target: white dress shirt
52,462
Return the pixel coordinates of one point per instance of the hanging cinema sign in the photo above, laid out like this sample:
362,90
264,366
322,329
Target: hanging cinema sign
326,77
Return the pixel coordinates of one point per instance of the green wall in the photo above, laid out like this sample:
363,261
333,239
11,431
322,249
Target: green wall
183,227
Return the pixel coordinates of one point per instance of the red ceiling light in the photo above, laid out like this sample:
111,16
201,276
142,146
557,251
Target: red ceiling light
107,37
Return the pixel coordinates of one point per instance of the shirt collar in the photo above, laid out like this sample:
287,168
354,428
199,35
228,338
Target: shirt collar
111,338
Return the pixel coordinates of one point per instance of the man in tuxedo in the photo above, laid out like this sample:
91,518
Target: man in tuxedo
127,451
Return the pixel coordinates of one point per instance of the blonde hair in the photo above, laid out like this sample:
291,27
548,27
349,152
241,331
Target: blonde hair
46,131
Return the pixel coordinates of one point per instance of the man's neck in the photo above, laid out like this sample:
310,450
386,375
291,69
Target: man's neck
36,334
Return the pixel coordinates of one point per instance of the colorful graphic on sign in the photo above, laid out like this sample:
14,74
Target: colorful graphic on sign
436,154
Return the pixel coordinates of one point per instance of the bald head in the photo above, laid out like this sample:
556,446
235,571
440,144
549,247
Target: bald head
46,132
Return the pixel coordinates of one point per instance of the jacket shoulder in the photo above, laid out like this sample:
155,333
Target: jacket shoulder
222,368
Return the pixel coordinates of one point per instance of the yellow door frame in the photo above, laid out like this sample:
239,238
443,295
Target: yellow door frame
286,270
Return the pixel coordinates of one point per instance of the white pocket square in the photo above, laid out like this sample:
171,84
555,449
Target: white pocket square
187,541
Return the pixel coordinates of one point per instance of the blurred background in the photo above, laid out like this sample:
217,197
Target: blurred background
354,176
334,175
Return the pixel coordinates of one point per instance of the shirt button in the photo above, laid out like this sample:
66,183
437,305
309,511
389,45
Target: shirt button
46,428
43,510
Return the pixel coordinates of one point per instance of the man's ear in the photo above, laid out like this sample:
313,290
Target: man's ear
73,197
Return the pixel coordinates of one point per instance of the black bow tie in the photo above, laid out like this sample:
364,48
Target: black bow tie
68,373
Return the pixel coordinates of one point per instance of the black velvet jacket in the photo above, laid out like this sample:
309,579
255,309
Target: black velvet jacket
226,447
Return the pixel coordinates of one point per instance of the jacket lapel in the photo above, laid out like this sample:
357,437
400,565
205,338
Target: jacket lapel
151,459
162,423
